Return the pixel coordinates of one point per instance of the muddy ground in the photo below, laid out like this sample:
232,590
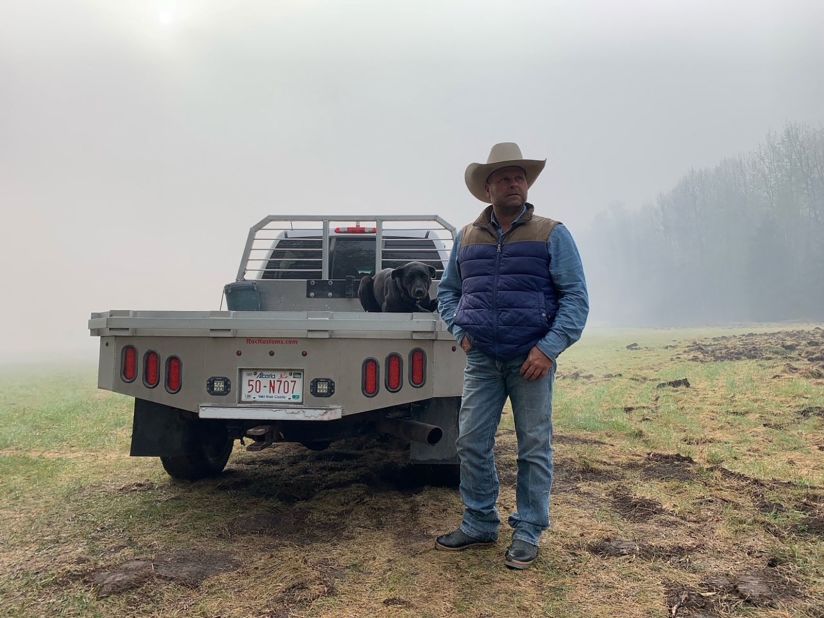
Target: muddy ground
801,351
305,499
349,531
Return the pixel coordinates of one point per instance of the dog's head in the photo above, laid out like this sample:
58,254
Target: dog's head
414,279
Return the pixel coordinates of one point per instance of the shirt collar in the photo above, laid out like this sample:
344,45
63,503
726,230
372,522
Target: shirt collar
518,218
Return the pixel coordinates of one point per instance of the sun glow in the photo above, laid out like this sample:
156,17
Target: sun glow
166,17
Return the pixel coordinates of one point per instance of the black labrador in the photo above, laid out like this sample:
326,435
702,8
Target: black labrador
398,290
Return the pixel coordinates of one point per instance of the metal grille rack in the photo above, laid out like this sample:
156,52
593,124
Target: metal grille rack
281,247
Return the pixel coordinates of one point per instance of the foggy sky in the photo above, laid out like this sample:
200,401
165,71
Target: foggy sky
139,140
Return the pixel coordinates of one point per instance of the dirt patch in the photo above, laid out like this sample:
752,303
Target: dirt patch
813,494
577,375
292,474
801,350
188,567
274,523
685,602
634,508
723,593
507,475
812,372
698,440
762,588
569,474
674,383
146,485
812,411
812,521
751,481
669,552
768,507
668,467
127,576
301,593
616,548
811,525
230,480
755,589
396,602
629,409
800,509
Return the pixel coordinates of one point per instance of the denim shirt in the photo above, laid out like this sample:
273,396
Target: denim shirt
567,274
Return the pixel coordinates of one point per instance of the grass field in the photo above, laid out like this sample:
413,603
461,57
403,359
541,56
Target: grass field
669,500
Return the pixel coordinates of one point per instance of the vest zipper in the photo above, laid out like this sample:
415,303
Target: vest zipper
495,290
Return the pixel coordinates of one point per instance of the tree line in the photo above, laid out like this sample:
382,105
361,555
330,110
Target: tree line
740,242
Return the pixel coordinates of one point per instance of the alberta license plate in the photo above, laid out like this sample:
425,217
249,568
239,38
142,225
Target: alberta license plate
283,385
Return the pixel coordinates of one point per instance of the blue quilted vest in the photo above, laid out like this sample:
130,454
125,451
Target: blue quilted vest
508,301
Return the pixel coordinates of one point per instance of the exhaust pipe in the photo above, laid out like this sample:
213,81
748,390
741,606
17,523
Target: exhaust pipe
415,431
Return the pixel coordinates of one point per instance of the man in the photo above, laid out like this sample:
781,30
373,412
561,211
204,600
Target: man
514,297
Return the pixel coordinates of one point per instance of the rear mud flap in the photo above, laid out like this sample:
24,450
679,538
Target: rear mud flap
443,412
160,430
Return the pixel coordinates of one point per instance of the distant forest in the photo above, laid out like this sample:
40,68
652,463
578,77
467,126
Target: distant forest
741,242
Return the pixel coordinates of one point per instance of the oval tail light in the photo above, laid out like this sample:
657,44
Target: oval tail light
128,364
369,377
151,369
417,367
174,374
394,373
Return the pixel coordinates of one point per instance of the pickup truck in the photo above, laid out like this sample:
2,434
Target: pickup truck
293,358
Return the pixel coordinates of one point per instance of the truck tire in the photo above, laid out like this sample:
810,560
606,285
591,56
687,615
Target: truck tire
207,457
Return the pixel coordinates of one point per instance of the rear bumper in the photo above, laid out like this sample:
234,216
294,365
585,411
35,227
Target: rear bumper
257,413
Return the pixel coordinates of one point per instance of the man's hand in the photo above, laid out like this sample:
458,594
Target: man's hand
466,344
536,365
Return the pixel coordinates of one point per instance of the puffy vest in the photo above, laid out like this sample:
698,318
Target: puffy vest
508,301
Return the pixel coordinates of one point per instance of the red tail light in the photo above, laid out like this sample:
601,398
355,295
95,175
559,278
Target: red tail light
174,374
354,229
417,367
128,364
394,368
369,377
151,369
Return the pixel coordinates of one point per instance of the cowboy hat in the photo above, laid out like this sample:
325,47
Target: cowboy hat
506,154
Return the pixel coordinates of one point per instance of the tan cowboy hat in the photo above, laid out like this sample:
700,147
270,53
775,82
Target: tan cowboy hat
506,154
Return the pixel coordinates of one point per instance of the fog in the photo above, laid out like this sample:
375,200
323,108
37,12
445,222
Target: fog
139,140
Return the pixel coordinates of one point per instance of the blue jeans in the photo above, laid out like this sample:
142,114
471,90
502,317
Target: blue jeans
487,384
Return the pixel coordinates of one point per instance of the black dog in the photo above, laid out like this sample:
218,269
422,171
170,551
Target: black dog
398,290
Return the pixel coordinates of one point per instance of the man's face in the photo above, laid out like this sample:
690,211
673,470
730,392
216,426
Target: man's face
506,187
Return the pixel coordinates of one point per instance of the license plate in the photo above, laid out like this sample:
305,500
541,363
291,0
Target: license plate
283,385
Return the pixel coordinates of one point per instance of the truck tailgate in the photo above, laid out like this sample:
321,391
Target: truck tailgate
229,347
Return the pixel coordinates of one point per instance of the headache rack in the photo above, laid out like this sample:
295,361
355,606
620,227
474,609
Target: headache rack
328,248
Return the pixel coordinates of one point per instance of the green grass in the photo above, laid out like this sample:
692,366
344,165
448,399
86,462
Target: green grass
349,543
60,409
